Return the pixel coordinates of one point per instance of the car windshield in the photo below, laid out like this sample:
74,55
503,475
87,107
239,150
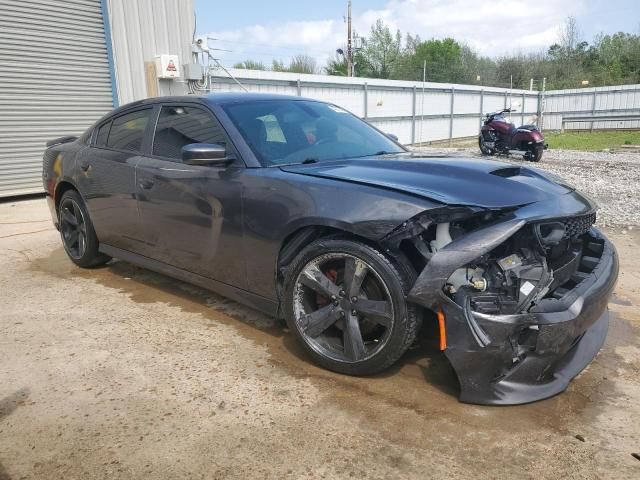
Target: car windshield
282,132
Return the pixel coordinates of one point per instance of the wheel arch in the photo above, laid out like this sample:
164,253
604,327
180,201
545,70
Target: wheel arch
62,187
302,236
306,232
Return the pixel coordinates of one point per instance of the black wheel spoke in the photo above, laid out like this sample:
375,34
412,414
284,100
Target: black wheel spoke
73,238
317,281
82,241
68,217
354,348
354,272
377,310
73,228
76,212
317,322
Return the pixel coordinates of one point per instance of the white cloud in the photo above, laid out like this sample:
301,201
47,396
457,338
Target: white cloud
493,29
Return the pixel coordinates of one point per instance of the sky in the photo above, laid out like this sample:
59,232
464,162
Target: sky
280,29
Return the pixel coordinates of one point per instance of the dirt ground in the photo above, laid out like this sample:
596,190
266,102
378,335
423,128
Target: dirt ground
122,373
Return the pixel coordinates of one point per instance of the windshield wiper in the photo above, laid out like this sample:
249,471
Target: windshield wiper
303,162
384,152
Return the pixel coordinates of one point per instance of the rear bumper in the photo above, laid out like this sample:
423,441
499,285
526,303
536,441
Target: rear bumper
533,355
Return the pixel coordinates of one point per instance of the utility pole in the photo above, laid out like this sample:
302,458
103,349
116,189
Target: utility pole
349,44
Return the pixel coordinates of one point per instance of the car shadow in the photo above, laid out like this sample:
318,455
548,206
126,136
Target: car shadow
8,405
426,356
423,355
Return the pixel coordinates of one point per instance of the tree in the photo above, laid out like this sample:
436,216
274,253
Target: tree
278,66
250,65
567,56
443,57
303,64
569,35
382,51
336,66
298,64
607,60
616,59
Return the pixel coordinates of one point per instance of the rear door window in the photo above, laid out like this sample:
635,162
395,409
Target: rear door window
127,131
182,125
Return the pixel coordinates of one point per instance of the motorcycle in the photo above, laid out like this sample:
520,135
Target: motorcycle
498,136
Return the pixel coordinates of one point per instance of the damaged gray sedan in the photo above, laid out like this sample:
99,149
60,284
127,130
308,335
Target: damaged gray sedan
302,210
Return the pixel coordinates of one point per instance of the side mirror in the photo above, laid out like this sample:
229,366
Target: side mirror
205,154
392,136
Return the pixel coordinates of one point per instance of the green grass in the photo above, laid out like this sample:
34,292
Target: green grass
591,141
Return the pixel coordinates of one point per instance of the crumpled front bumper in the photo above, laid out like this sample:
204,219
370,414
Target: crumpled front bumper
529,356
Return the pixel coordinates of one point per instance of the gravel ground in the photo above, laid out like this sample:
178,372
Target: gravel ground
612,179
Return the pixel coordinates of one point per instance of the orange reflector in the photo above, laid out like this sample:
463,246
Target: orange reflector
443,330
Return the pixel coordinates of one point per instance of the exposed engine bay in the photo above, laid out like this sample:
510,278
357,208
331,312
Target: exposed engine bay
520,272
515,275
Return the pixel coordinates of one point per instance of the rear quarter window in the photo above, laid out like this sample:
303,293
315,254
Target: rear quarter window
103,134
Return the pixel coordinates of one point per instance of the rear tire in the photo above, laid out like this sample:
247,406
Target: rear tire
345,303
534,154
77,233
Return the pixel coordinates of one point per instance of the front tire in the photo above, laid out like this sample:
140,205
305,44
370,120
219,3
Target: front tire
345,303
77,233
484,148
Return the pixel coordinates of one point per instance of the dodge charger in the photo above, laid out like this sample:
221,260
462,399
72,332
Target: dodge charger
304,211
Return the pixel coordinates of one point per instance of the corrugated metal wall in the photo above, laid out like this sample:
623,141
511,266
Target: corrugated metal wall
615,100
142,29
54,81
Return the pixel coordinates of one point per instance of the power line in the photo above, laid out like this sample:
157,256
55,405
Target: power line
277,47
250,55
239,57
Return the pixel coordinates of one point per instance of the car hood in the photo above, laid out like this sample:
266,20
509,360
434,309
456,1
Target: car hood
450,180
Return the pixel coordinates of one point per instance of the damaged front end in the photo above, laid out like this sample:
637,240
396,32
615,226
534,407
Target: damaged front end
523,291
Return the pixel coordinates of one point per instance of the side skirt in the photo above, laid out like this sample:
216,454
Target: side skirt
252,300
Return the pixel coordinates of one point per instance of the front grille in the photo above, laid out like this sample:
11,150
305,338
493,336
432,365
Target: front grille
578,226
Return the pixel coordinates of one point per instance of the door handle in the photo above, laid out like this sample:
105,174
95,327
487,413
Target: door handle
146,183
84,165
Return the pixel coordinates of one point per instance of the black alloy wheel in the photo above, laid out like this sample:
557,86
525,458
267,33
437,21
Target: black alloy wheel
78,236
343,308
346,304
73,228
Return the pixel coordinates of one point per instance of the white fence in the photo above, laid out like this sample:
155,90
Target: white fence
618,101
418,112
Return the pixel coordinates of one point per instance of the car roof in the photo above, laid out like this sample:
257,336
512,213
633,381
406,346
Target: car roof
223,98
235,97
214,98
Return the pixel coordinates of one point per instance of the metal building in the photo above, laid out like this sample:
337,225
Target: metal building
65,63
